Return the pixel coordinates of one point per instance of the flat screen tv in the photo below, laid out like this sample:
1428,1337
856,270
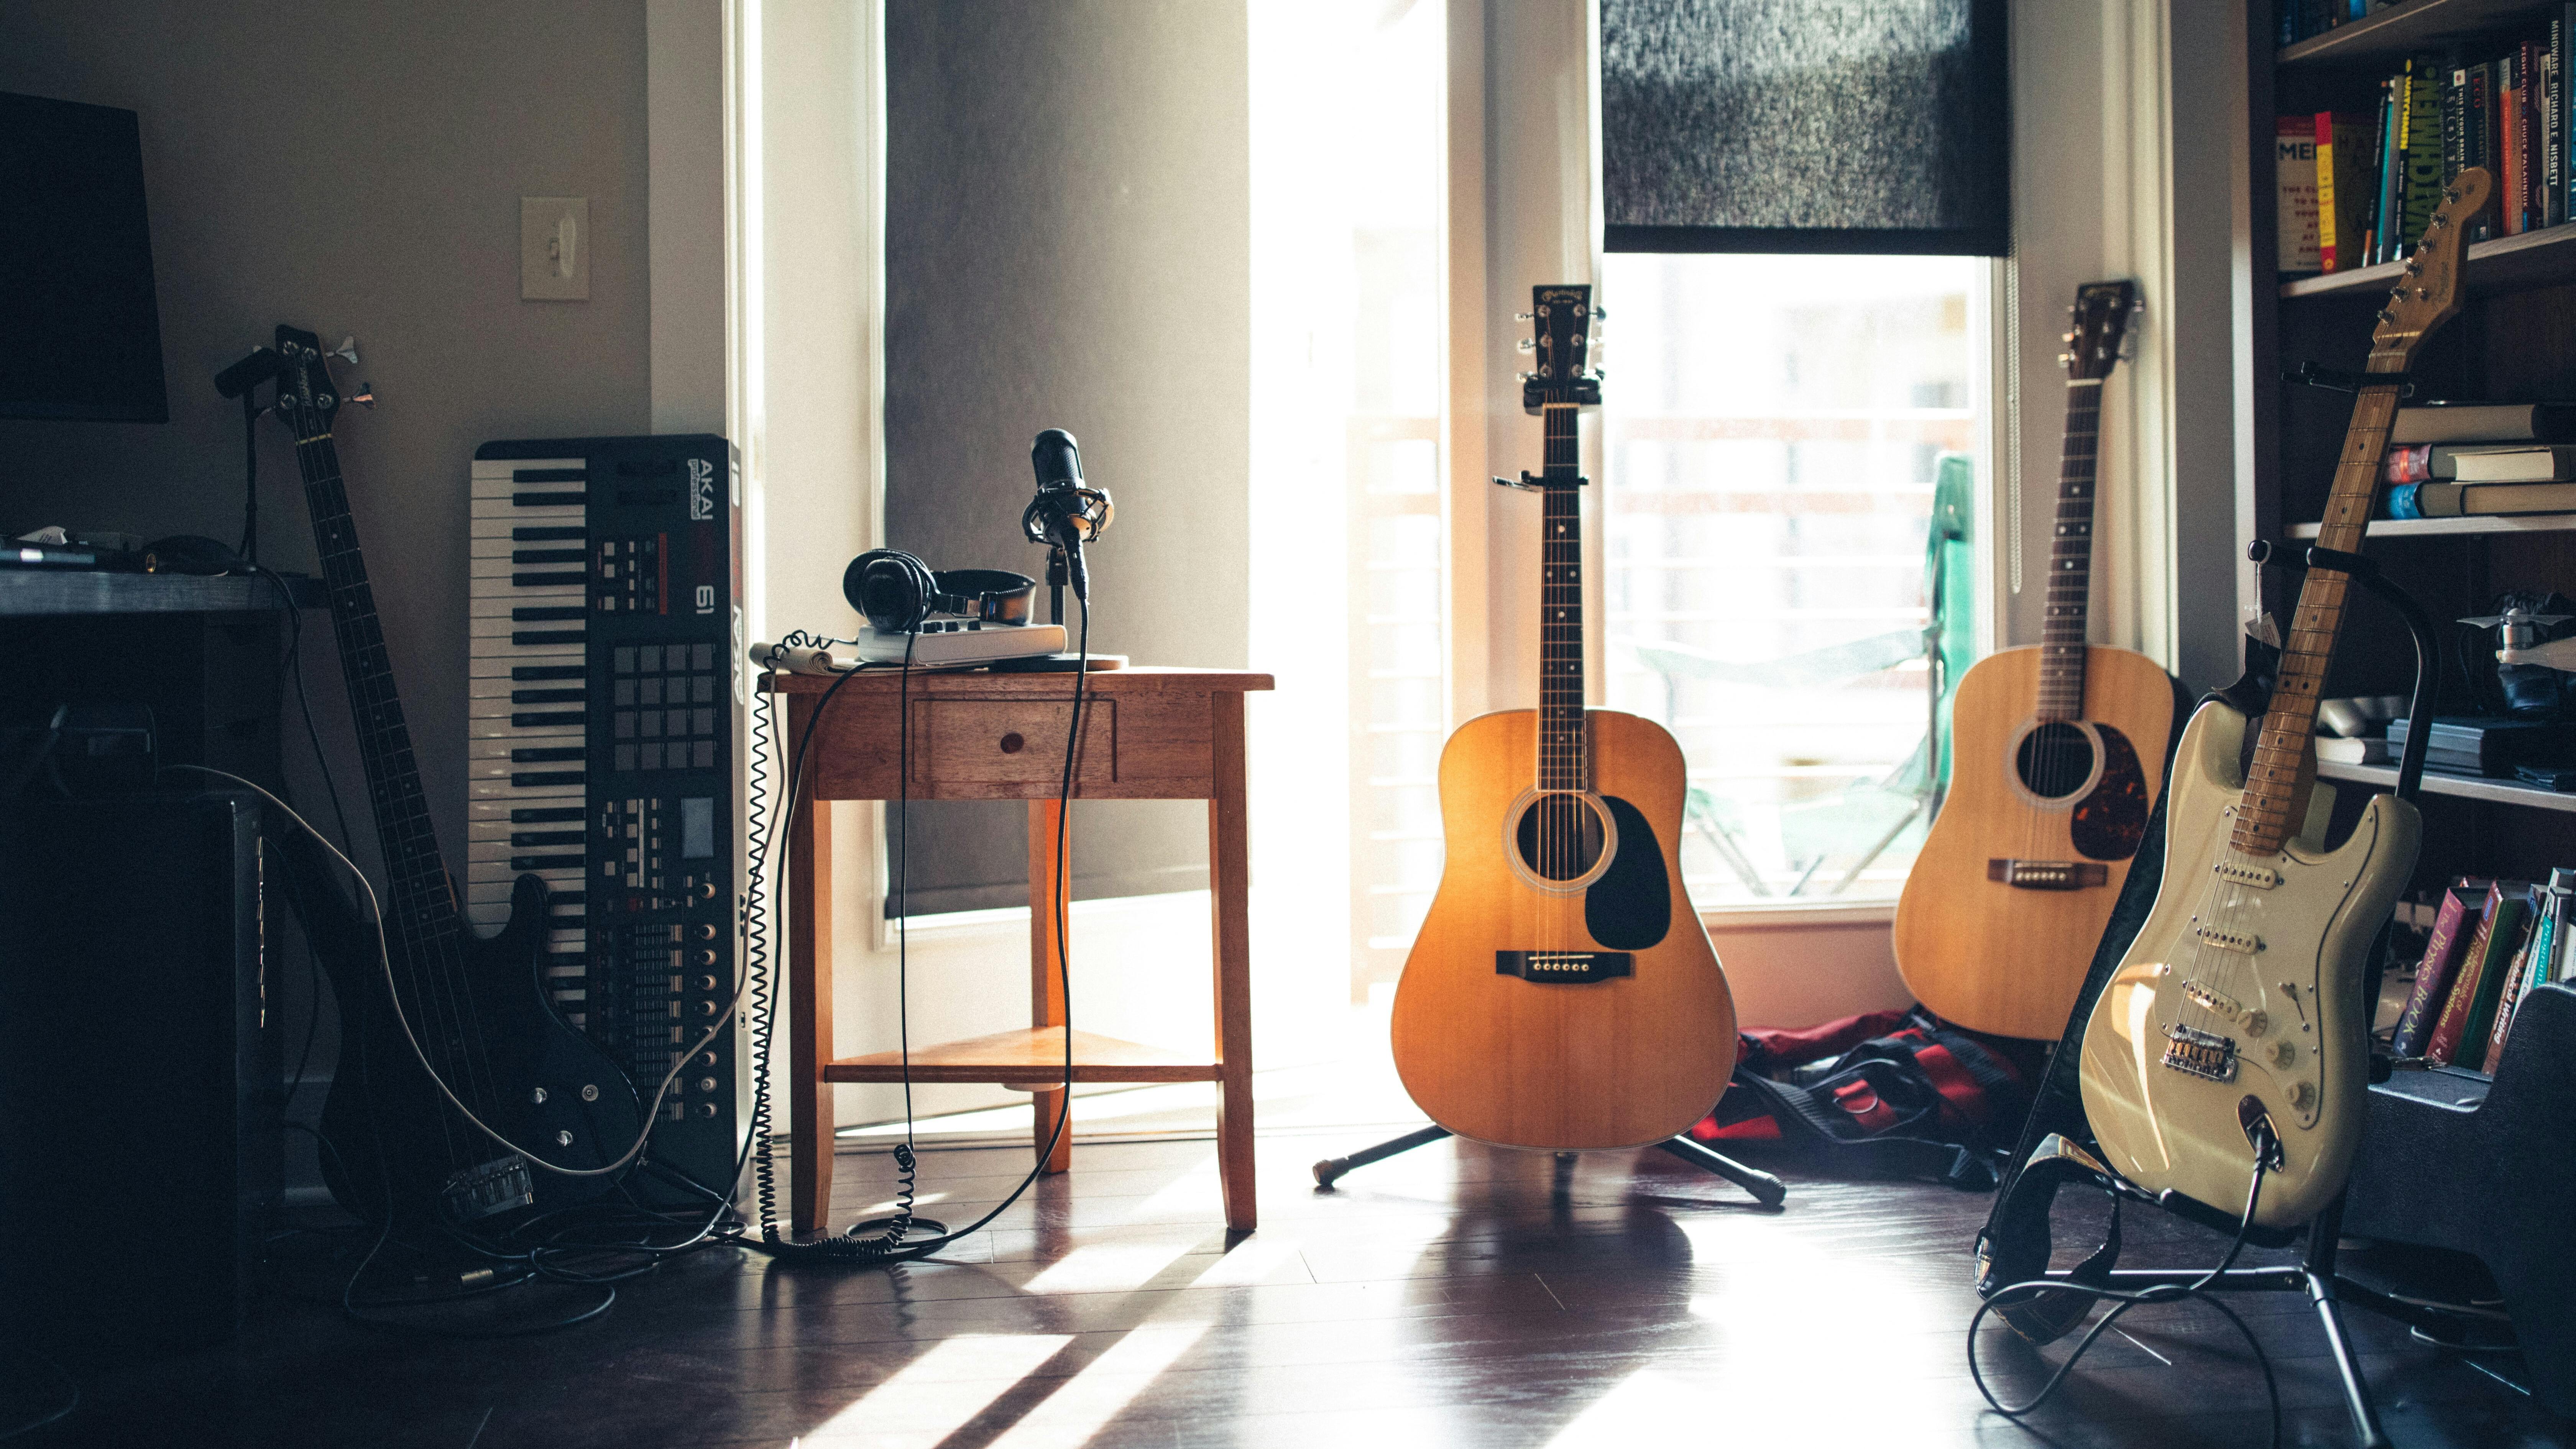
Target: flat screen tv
80,333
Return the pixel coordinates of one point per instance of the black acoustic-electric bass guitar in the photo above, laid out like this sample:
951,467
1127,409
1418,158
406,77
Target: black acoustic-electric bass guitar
437,998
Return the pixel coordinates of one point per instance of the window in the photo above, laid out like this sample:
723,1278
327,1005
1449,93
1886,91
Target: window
1774,427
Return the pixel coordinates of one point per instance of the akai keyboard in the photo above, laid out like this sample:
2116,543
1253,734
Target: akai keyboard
605,618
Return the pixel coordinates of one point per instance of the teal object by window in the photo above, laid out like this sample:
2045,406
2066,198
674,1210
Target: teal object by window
1950,580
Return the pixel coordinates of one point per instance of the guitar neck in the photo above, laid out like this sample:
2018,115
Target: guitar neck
1564,754
423,906
2070,562
2276,786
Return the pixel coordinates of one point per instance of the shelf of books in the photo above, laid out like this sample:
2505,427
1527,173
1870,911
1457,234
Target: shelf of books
2443,782
2492,941
2378,112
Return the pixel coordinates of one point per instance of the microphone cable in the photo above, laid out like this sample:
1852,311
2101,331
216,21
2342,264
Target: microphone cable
892,1241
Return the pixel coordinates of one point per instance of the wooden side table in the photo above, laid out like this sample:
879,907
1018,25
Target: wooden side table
1148,734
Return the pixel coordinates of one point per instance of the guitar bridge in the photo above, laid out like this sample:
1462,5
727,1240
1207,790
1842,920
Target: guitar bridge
487,1188
2048,875
2200,1054
1568,968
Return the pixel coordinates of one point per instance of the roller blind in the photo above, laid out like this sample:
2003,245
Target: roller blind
1854,126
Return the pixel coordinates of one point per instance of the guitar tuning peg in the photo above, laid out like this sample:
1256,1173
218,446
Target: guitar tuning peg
347,351
1526,345
365,396
1520,316
1524,376
1600,314
2385,315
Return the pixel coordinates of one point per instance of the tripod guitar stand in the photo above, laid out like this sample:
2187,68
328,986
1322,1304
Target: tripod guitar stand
1766,1189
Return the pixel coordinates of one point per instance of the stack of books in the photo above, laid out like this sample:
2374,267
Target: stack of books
2358,185
2450,460
2492,941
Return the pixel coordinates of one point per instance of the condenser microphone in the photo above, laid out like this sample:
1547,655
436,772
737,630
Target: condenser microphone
1068,512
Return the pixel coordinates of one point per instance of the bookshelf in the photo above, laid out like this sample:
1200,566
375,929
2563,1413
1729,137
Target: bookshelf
2515,339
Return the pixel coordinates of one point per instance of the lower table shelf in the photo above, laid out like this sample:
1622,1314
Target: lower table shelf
1029,1057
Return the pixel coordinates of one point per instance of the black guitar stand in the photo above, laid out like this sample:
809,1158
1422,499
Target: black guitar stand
1766,1189
2315,1273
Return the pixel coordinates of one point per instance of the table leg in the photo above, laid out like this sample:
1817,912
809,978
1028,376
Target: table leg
1049,891
1229,875
809,1014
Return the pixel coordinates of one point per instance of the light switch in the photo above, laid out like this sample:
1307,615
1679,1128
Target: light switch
554,248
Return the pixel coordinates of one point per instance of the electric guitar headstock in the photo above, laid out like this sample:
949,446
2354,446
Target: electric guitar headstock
2099,336
1560,317
307,399
2427,293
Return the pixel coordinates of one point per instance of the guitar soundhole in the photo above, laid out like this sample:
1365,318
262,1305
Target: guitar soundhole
1560,837
2054,760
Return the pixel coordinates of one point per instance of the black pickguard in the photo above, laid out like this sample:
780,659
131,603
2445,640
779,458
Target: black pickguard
2109,823
1631,907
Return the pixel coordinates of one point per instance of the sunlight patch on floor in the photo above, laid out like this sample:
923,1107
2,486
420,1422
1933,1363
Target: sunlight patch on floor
935,1395
1090,1399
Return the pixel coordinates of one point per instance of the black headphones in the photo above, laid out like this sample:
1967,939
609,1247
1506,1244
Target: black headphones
897,591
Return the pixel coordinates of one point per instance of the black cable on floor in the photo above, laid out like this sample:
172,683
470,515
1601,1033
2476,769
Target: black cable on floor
71,1398
2122,1302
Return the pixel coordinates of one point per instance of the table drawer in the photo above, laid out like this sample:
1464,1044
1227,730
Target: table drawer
1011,741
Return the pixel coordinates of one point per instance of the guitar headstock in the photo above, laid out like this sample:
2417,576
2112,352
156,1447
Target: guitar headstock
2098,333
307,399
2428,288
1561,318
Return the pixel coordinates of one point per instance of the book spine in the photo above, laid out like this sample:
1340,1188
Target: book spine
2328,198
2528,109
2409,463
2517,972
2406,501
2503,949
2294,182
2385,204
2433,974
2563,35
2455,123
2553,160
2444,1044
2423,159
2509,185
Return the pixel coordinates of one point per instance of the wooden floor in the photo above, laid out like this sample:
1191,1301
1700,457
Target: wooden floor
1446,1298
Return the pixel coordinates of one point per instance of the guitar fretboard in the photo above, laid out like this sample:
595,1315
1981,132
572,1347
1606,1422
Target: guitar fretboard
2070,560
422,908
2274,803
1563,738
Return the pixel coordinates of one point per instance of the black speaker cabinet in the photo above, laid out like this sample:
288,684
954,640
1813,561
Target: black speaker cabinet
140,1078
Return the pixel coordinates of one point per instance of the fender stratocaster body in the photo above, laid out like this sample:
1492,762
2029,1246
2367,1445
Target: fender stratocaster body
2231,1037
2057,759
1562,993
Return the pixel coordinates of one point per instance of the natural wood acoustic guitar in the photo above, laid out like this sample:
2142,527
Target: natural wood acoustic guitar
1562,993
2058,757
2229,1053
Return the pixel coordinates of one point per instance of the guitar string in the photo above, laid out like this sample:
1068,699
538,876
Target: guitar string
2227,906
353,606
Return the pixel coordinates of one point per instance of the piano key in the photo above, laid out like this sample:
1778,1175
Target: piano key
511,816
500,660
498,786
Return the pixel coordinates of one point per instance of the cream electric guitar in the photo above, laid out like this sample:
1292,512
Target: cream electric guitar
2060,755
1562,993
2233,1031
